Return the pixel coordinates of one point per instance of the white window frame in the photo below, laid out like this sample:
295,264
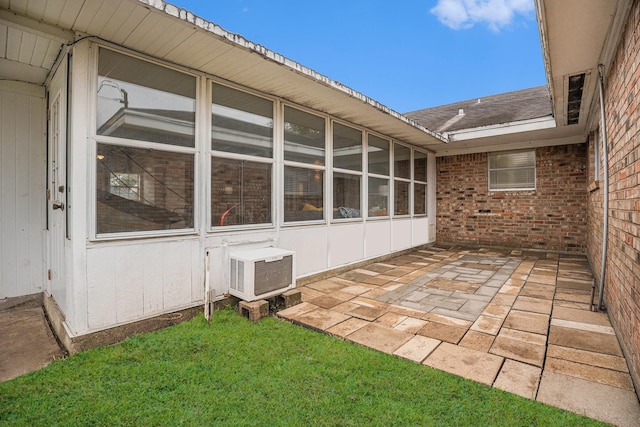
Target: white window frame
282,164
360,173
133,143
501,189
401,179
211,154
388,178
415,181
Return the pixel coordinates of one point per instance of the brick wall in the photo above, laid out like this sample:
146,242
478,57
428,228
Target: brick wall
622,283
553,217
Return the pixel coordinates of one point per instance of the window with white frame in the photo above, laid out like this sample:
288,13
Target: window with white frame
347,171
402,179
145,151
419,183
379,167
512,170
241,159
304,165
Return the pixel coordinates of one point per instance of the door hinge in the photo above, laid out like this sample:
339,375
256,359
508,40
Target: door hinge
49,274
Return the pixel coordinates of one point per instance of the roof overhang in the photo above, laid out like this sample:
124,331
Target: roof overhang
577,36
163,31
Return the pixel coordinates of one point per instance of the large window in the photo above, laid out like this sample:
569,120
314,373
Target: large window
402,179
304,165
242,160
347,171
378,163
240,192
512,170
145,126
141,189
142,101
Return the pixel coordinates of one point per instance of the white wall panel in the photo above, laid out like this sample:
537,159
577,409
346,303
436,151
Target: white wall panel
310,244
22,197
130,281
346,244
420,231
402,235
378,238
101,288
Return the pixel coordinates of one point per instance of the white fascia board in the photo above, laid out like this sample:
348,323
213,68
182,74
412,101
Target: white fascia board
475,147
503,129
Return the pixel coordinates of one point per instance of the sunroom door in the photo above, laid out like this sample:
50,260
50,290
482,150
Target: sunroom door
56,186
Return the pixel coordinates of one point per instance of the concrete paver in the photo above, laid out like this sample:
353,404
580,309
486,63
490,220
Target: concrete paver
443,332
380,338
518,320
518,378
588,372
465,362
527,321
616,363
417,348
599,401
585,340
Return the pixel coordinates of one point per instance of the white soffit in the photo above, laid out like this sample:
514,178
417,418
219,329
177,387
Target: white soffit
164,31
573,33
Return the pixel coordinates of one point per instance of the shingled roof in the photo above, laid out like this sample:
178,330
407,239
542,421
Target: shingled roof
492,110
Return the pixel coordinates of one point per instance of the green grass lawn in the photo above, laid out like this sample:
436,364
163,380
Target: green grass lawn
234,372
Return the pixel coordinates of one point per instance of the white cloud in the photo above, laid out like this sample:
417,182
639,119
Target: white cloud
497,14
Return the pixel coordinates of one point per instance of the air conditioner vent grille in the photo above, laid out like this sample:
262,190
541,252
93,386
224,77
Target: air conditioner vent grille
272,275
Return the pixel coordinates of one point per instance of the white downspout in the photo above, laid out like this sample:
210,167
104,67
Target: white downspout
605,161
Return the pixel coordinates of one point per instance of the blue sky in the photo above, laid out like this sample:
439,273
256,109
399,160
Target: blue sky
405,54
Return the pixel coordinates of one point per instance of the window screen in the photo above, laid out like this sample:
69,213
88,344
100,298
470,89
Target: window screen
512,170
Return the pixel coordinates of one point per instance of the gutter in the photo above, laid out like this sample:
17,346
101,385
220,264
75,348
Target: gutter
605,161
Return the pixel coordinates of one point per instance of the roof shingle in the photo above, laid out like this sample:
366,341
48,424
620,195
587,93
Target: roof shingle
507,107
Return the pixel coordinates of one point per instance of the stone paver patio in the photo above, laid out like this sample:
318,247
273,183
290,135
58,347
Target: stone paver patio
515,320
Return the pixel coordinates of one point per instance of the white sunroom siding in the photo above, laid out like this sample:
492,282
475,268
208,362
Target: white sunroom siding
22,178
129,281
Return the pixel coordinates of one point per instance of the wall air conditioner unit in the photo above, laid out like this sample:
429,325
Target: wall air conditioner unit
261,273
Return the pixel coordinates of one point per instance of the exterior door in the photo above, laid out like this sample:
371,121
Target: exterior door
56,186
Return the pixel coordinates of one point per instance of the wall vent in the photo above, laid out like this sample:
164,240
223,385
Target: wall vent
574,98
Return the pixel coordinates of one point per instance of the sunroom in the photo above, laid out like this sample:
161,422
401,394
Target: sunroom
172,145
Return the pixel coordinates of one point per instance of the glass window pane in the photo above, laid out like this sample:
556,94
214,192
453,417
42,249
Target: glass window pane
347,147
240,192
512,179
378,155
402,161
419,199
378,197
241,123
346,195
419,166
401,198
303,194
144,101
511,159
140,189
304,137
